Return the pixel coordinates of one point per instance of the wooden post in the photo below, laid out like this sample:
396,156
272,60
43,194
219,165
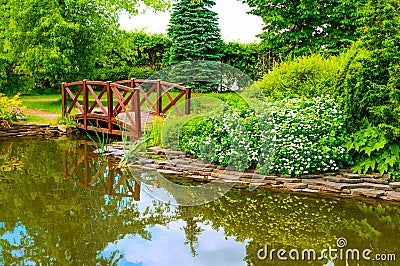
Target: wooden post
85,104
64,99
159,98
136,109
109,106
132,83
187,102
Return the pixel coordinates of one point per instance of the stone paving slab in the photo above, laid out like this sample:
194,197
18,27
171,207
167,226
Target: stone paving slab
339,179
368,192
168,172
342,182
394,185
376,181
295,185
288,180
391,195
351,175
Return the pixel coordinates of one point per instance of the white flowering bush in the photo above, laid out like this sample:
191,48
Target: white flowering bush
221,137
299,136
291,136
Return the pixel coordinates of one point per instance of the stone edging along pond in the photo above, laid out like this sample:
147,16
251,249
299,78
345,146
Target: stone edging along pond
342,183
32,130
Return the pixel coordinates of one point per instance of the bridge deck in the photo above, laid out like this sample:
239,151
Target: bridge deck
146,118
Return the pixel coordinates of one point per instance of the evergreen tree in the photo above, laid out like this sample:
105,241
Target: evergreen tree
194,31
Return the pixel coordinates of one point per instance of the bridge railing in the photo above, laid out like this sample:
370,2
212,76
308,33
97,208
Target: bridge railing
93,101
148,88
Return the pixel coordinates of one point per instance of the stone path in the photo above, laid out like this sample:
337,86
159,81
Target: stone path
343,182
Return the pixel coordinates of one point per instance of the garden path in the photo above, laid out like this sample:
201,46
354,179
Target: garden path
41,113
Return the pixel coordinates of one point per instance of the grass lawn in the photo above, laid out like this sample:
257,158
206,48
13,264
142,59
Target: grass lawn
49,103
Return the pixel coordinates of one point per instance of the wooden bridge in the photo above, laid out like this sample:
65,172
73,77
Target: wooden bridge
115,107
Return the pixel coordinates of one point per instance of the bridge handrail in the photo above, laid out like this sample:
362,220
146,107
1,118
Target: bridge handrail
123,91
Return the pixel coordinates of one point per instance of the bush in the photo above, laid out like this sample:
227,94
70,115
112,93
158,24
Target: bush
299,136
302,77
370,88
141,72
251,58
294,136
10,110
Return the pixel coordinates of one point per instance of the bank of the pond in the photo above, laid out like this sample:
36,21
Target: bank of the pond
32,130
342,183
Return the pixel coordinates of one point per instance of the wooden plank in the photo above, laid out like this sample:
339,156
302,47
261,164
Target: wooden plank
120,99
171,100
97,100
174,102
104,90
74,99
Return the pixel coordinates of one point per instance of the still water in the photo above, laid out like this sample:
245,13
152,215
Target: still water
61,205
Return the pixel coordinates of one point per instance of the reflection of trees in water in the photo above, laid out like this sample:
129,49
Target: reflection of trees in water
61,223
286,220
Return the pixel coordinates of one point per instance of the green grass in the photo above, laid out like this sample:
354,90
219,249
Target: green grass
48,103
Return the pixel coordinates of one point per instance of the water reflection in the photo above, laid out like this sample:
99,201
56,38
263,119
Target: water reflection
61,205
89,171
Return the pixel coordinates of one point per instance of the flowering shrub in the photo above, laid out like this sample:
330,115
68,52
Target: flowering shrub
10,110
301,136
294,136
223,138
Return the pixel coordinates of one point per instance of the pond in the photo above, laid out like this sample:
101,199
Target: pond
61,205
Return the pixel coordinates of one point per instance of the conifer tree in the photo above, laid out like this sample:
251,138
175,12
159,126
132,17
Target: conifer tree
194,31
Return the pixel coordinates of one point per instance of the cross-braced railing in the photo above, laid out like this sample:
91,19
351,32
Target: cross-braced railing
99,105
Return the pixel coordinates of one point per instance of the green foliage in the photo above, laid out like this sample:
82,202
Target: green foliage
374,152
132,55
10,110
193,29
306,76
69,121
141,72
369,87
152,131
305,27
299,136
288,137
47,42
251,59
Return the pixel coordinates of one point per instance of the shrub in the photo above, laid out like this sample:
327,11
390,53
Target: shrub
300,136
251,59
302,77
10,110
143,72
294,136
370,88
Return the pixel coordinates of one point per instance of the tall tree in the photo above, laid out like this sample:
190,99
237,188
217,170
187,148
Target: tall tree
48,41
194,31
303,27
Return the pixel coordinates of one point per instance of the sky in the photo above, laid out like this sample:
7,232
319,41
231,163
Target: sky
234,23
